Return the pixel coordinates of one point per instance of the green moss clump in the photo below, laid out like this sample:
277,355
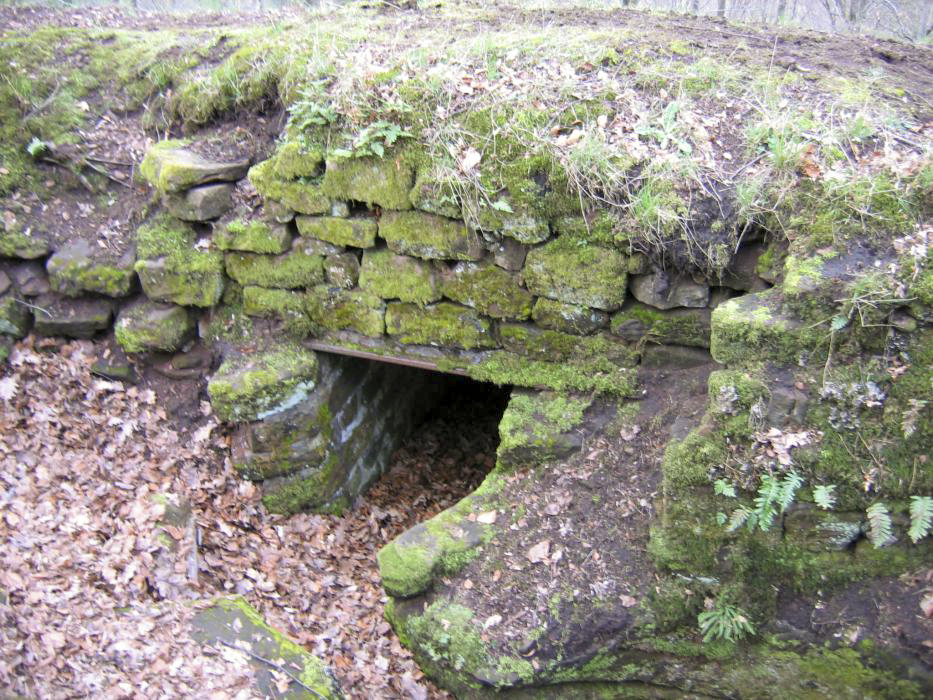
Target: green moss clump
294,159
553,346
383,181
584,275
147,326
337,309
279,303
171,269
393,276
170,167
74,270
489,289
444,325
356,232
531,427
290,270
675,326
16,244
429,236
254,236
253,387
15,317
303,195
567,318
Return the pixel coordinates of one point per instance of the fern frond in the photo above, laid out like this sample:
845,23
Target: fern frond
723,488
789,486
921,517
738,518
724,621
825,496
880,529
769,493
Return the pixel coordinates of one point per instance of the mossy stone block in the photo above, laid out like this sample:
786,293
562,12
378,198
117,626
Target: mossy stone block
755,328
514,220
15,317
337,309
429,236
675,326
287,271
147,325
583,275
443,325
568,318
203,203
393,276
546,345
303,195
342,270
233,622
14,243
172,269
293,159
382,181
254,387
77,269
488,289
280,303
356,232
540,426
435,197
72,318
254,236
171,166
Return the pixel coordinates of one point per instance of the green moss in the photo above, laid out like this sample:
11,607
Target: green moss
392,276
15,317
584,275
303,195
147,326
355,232
554,346
444,324
336,309
311,489
429,236
279,303
254,236
675,326
252,387
294,159
16,244
567,318
531,427
687,462
288,271
489,289
382,181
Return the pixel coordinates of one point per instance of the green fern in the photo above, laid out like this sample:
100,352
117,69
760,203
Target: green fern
739,517
723,488
825,496
921,517
789,486
726,622
769,493
880,529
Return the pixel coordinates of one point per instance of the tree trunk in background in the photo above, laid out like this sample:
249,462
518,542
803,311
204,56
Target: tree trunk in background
721,8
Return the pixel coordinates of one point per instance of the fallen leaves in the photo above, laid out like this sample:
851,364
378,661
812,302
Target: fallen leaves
540,553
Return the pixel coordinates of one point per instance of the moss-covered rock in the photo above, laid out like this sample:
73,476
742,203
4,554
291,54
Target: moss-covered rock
303,195
203,203
232,621
444,324
290,270
755,326
429,236
583,275
171,166
676,326
253,236
357,232
511,218
383,181
283,304
435,197
568,318
545,345
487,288
253,387
342,270
294,159
337,309
15,316
77,269
392,276
172,269
15,243
72,318
146,326
540,426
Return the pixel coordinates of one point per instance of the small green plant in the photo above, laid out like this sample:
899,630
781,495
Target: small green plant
724,621
921,517
373,140
824,496
665,130
880,529
775,495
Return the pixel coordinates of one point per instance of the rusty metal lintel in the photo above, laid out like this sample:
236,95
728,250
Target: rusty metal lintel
376,357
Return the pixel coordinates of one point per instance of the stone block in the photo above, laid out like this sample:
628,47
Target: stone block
679,326
429,236
171,166
342,270
540,426
202,203
674,356
78,268
508,253
172,269
293,160
72,318
665,289
444,325
15,317
290,270
254,236
583,275
5,282
303,196
541,344
392,276
435,197
25,245
568,318
516,222
30,279
254,387
375,181
489,289
356,232
146,326
337,309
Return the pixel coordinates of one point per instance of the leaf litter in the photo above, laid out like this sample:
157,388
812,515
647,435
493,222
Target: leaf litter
97,586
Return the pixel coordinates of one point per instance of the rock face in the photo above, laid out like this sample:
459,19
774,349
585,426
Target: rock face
146,326
77,269
170,166
72,318
201,203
